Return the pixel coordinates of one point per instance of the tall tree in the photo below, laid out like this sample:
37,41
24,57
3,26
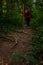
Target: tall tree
0,8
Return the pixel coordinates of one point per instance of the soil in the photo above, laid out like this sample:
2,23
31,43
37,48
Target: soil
15,43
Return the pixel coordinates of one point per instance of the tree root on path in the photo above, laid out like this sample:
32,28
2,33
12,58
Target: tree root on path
22,32
15,42
6,38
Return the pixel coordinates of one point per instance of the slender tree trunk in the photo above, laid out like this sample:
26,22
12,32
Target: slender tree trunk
0,8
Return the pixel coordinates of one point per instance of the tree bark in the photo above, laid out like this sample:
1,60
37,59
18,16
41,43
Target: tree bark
0,8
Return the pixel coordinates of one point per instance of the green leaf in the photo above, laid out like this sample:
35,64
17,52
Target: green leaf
17,56
32,59
31,54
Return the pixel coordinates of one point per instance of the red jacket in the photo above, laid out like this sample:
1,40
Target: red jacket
27,14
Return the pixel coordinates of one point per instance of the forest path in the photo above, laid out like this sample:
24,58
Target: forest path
15,43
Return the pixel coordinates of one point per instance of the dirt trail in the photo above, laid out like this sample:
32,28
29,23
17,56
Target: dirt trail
16,42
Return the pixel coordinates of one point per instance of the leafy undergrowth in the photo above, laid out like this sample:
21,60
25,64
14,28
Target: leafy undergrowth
35,57
11,21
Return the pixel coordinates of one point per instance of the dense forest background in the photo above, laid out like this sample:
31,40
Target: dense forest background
12,11
12,19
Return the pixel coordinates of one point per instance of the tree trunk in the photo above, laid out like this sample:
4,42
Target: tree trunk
0,8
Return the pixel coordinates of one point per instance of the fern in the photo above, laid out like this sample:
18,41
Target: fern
30,57
17,57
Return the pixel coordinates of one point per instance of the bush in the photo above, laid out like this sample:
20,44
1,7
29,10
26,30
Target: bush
37,19
37,24
12,21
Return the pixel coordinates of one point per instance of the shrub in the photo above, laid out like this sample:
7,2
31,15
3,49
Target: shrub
11,21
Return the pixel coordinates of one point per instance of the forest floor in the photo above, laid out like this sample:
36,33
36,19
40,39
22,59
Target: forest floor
15,43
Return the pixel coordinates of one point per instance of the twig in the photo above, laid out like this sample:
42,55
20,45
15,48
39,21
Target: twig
7,38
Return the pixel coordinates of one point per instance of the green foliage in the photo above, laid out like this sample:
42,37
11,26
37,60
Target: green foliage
32,59
16,18
12,21
37,19
29,57
37,46
39,30
17,57
38,43
37,24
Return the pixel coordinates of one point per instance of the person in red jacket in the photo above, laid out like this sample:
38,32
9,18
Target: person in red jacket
27,15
